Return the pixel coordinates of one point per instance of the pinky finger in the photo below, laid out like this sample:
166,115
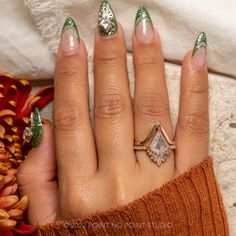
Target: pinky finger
36,179
192,133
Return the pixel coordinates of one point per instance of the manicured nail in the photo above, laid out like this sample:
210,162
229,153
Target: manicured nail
107,24
70,37
143,26
199,51
36,127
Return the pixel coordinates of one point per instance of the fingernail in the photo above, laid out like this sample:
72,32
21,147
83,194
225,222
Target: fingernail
70,37
199,51
143,26
36,127
107,24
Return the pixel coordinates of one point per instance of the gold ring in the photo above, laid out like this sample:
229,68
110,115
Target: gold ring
157,145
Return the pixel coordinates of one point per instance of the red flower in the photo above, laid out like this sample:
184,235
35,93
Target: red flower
16,104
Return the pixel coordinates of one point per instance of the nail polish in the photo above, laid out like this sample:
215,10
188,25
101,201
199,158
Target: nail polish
107,24
199,51
36,128
70,37
143,26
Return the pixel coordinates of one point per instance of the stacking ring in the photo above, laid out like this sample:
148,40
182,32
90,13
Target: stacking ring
157,145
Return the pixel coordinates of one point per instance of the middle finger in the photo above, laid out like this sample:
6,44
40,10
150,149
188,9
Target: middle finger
113,109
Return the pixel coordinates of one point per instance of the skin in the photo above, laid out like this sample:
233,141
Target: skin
97,169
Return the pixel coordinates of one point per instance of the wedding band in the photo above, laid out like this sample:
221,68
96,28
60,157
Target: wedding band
157,145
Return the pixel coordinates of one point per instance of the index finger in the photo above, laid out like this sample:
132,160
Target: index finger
75,147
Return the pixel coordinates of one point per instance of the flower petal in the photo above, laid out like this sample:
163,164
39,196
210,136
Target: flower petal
7,224
24,229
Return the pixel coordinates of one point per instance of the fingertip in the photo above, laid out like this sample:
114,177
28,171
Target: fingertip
80,51
155,39
83,49
119,34
189,64
45,148
193,78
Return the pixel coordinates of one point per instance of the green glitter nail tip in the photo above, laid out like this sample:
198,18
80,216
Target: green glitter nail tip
107,24
37,129
142,13
70,24
200,42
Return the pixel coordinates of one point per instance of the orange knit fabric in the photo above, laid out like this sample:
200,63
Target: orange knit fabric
191,204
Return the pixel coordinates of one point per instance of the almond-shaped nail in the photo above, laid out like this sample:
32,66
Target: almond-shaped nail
34,132
143,26
107,24
199,51
70,37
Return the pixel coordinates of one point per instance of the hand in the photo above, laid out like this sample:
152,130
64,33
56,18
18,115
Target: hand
97,168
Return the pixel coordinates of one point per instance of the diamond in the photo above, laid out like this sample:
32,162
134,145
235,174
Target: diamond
106,25
158,161
159,144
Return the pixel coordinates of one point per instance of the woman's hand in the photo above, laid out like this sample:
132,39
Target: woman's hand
97,168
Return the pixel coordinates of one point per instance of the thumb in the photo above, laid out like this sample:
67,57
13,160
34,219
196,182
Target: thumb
36,178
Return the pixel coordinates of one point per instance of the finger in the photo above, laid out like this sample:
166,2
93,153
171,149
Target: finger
36,178
192,133
151,97
75,147
113,109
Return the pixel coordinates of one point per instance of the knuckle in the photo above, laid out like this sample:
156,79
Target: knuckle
147,60
198,89
67,118
194,124
151,106
109,57
110,106
68,74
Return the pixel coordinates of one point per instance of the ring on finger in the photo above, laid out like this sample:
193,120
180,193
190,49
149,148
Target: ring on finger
157,145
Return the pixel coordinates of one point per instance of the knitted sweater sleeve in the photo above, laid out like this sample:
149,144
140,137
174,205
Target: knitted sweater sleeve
191,204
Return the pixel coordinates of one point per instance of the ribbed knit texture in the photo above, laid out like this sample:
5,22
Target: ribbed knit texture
191,204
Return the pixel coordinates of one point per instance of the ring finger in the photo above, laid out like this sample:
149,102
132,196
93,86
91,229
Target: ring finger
151,97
